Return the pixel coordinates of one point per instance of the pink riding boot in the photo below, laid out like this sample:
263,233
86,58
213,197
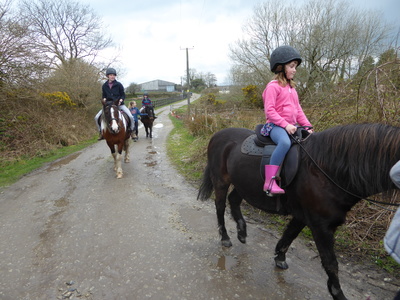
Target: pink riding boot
270,186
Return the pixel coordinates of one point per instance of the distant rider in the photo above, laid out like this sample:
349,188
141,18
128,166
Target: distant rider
147,102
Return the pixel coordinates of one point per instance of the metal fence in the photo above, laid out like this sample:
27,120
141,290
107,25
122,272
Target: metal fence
161,102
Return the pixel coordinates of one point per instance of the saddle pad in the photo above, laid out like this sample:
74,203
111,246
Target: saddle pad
250,148
290,165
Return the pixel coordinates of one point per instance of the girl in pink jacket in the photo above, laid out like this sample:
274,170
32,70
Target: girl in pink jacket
282,111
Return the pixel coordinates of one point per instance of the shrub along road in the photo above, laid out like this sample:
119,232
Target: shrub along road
72,229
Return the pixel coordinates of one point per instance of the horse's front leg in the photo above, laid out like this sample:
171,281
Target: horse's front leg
113,153
324,240
220,204
291,232
117,161
235,200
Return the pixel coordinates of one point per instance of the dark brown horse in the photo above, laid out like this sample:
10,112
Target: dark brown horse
337,168
147,117
114,126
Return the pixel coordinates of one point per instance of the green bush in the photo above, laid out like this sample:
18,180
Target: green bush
252,96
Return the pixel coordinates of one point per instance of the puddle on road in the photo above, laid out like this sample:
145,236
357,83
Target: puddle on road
63,161
150,162
225,262
62,202
158,125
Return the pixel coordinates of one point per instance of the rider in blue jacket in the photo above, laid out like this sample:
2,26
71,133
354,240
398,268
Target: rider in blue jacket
135,113
147,102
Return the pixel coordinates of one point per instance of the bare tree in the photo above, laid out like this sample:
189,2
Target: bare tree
133,88
65,30
333,38
19,62
210,79
267,28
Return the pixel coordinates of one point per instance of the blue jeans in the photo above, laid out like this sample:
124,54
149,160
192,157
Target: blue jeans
282,140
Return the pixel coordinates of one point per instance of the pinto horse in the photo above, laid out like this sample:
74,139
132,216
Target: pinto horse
115,129
337,168
147,118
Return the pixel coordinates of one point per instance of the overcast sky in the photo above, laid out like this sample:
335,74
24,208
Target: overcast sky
153,34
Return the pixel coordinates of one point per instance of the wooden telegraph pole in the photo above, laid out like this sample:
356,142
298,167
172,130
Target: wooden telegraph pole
187,77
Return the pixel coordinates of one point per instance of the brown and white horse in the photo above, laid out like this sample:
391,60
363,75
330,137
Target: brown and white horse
115,129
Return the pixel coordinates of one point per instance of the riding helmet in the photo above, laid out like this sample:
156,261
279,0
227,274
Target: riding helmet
283,55
111,71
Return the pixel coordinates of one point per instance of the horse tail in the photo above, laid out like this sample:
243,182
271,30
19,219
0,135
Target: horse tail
206,186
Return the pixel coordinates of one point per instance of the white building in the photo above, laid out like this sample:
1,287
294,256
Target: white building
158,85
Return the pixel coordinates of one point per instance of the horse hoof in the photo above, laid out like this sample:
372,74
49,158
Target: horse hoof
127,160
226,243
242,239
281,264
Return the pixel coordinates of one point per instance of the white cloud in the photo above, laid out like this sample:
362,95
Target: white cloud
154,34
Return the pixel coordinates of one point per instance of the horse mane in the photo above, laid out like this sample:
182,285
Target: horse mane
149,110
357,156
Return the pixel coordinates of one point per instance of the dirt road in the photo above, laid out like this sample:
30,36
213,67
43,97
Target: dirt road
72,230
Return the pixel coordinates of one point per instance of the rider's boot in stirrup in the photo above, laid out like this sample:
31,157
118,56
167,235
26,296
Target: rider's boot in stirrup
270,185
101,137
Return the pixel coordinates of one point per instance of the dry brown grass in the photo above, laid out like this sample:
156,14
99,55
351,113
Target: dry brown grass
33,127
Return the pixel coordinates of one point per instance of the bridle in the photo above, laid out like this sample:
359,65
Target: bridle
117,120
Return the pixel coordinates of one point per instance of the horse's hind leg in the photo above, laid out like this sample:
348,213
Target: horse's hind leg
291,232
235,200
220,204
126,149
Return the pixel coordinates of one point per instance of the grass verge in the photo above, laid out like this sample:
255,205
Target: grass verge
11,172
186,152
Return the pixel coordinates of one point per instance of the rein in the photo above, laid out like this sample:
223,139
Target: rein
371,201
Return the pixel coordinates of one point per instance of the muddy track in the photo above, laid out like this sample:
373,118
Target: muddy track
72,230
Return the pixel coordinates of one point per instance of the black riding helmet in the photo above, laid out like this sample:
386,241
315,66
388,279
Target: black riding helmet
111,71
282,55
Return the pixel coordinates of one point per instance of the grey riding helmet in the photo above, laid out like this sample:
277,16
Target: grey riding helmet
111,71
282,55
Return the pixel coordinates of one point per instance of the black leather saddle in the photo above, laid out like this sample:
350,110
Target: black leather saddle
259,145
